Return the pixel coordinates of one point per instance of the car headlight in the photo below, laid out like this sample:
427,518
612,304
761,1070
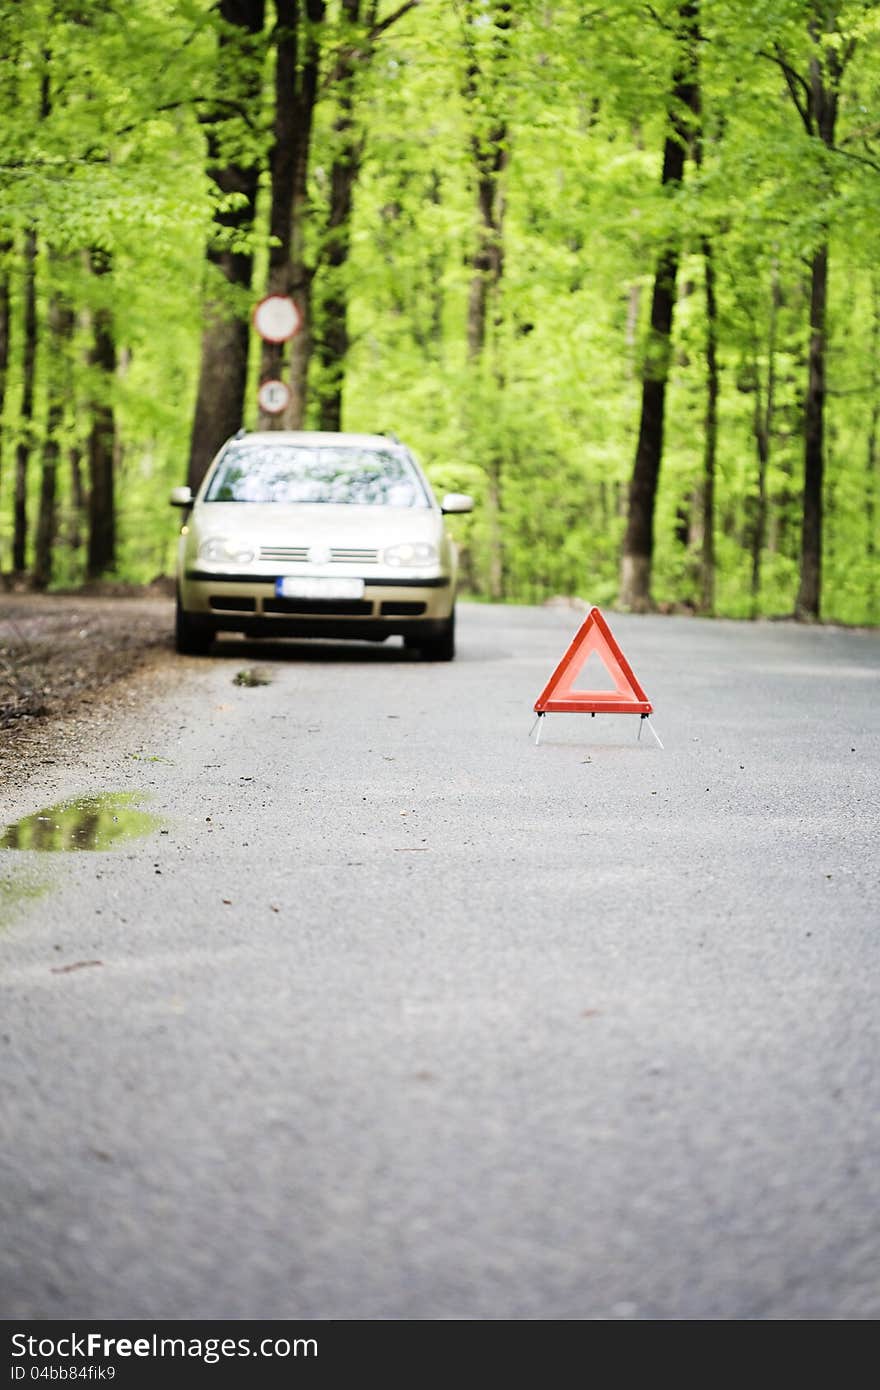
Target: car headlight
218,550
411,553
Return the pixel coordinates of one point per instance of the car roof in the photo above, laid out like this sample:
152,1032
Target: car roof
371,441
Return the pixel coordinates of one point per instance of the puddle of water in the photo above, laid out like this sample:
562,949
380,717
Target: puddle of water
90,822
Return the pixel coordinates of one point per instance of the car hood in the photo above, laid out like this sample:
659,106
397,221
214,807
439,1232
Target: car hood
317,523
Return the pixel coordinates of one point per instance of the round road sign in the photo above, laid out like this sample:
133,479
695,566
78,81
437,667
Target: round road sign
276,318
273,397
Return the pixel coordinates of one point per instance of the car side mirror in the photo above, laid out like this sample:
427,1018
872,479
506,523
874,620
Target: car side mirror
456,502
181,497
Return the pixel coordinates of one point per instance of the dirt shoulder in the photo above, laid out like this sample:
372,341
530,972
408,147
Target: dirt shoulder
61,651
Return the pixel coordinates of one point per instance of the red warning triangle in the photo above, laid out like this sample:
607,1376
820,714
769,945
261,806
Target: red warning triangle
560,695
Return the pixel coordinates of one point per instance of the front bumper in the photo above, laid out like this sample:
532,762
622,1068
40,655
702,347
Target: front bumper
395,605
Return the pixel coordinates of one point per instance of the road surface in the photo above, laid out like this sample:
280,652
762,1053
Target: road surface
383,1012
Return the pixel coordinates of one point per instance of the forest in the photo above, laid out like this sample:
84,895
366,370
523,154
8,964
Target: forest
610,267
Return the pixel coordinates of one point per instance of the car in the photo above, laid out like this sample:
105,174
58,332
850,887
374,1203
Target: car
317,534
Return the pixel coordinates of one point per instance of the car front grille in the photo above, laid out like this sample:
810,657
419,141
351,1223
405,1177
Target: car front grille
299,554
327,608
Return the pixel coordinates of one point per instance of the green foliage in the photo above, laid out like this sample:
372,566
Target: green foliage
104,146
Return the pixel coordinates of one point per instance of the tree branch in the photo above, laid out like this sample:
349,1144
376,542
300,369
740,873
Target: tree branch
865,133
347,57
797,86
379,29
64,162
857,158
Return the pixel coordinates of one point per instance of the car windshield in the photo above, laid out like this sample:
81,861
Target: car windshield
294,473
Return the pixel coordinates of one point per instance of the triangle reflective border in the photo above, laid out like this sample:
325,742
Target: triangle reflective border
561,694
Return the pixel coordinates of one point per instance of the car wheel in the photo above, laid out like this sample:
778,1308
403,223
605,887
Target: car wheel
192,636
441,645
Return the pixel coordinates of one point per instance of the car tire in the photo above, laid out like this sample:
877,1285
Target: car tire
440,646
192,636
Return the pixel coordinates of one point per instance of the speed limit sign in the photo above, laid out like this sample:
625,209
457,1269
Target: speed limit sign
273,397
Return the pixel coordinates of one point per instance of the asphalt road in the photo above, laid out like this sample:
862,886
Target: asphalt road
394,1015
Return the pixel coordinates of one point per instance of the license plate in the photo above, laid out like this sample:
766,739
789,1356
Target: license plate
294,587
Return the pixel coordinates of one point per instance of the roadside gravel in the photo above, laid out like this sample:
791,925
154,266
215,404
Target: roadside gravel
63,660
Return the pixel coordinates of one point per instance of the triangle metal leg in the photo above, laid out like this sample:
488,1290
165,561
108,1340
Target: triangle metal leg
646,718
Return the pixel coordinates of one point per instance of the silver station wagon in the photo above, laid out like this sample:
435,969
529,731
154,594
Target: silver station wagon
309,534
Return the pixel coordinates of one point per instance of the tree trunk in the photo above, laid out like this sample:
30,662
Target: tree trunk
298,55
223,375
60,329
101,440
428,302
333,341
222,382
78,500
810,588
285,147
710,441
44,539
490,157
638,542
706,602
26,414
872,479
497,552
823,98
283,159
816,100
5,322
762,428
